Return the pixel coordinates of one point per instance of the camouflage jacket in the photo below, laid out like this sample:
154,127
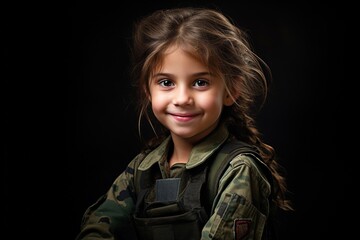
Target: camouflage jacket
241,205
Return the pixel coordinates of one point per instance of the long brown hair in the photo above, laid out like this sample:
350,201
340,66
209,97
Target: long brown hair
214,39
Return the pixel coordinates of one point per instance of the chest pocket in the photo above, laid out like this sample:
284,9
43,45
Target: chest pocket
170,209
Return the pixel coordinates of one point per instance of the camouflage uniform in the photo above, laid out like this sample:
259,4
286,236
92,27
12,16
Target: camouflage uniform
240,208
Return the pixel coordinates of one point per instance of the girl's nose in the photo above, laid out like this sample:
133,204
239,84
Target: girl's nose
182,97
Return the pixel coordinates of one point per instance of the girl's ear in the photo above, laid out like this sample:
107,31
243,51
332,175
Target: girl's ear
231,95
147,93
228,99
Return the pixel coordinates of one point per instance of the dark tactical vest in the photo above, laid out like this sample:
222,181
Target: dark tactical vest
178,208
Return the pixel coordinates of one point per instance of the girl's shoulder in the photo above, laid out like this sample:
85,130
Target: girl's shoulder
237,159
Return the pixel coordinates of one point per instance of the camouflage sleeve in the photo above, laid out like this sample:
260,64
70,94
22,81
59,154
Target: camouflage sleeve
110,216
241,204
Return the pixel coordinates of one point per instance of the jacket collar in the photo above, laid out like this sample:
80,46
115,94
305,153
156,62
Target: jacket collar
200,152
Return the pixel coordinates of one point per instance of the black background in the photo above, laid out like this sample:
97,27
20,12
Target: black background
71,127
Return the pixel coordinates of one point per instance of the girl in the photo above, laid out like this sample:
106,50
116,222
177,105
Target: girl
198,80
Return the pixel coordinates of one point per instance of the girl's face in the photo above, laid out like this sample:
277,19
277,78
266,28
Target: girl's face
185,97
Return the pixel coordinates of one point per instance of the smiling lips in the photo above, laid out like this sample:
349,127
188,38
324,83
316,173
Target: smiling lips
183,117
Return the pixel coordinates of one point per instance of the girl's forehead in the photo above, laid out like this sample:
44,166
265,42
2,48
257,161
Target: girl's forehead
186,48
177,54
179,46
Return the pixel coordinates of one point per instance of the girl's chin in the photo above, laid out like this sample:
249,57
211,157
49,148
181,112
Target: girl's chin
189,135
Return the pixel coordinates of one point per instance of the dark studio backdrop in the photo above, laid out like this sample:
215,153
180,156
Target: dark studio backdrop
73,127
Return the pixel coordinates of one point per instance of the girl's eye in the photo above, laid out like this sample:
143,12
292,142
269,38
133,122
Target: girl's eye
201,83
166,83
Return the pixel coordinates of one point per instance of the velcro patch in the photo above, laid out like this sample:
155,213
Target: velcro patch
241,228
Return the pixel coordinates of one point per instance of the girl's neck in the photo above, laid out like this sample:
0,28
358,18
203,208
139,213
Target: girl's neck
181,152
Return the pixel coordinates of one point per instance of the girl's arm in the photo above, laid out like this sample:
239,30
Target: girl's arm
110,216
242,203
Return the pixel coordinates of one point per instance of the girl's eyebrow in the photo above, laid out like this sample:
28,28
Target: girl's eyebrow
199,74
